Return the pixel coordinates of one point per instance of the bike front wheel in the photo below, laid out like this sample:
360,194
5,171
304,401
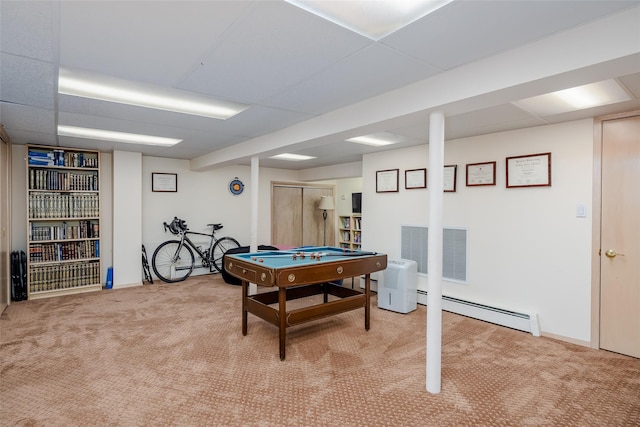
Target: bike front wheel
173,262
220,248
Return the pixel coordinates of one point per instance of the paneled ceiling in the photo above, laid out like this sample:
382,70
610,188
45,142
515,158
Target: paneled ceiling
310,84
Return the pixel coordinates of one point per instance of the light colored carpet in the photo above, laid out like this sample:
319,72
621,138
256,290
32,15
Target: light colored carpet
162,355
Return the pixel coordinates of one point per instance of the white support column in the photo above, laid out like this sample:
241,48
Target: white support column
434,258
127,213
255,190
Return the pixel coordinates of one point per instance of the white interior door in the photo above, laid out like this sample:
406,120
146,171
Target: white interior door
620,237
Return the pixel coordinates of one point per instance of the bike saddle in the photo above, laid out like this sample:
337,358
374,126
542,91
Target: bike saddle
215,226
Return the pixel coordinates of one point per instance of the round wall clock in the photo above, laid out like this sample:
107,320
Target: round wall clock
236,187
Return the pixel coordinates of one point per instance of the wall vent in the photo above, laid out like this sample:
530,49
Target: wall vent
454,250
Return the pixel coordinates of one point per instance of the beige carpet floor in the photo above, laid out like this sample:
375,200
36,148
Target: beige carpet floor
174,355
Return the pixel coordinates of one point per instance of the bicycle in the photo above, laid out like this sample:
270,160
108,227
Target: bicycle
174,261
145,266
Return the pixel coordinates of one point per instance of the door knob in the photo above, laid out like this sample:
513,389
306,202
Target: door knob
612,254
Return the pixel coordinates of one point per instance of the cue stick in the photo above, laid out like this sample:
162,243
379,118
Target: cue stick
322,254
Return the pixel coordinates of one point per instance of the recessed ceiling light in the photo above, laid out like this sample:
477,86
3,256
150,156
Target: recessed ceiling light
289,156
94,86
378,139
372,19
577,98
107,135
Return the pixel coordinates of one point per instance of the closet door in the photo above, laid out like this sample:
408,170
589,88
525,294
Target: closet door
295,217
286,216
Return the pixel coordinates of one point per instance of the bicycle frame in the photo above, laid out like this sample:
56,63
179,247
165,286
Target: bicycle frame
204,255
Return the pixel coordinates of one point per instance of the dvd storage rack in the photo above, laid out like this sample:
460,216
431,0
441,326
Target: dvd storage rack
63,231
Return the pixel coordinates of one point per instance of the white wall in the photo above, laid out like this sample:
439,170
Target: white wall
344,188
527,250
203,197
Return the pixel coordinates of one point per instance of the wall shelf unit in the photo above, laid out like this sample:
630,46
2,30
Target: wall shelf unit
349,233
63,221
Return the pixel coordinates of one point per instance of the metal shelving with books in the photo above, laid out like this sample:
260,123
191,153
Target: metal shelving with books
63,227
350,233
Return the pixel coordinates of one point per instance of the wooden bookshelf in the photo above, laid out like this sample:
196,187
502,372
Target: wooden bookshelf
63,225
349,232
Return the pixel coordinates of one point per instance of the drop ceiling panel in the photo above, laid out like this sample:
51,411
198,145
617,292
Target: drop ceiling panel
504,25
27,29
275,46
26,118
371,71
32,137
632,83
156,42
26,81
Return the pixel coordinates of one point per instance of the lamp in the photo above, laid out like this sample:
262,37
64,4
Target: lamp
326,204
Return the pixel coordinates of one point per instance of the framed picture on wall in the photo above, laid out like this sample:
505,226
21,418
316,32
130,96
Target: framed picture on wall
531,170
387,181
449,182
415,178
481,174
164,182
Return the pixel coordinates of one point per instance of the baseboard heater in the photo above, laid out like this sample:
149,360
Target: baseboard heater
511,319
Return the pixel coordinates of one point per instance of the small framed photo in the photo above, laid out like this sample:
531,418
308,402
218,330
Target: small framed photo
481,174
164,182
415,178
387,181
449,182
531,170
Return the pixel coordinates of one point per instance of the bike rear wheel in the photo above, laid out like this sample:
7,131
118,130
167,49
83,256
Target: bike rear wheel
219,249
173,262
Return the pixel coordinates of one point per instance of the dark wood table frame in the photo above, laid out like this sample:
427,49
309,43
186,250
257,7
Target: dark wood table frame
296,282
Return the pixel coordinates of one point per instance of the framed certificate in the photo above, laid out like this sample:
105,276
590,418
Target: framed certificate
449,182
387,181
531,170
415,178
481,174
164,182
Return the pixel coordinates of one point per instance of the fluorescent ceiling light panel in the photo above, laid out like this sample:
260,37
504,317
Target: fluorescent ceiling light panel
107,135
378,139
578,98
293,157
374,19
94,86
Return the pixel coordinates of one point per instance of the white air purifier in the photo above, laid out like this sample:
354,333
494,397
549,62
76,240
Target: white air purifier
398,286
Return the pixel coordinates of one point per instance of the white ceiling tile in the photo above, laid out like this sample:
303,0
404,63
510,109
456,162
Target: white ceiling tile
275,46
371,71
632,83
157,42
489,27
26,81
28,29
27,118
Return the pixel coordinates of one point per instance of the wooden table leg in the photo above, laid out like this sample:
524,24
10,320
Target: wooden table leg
245,295
282,312
367,304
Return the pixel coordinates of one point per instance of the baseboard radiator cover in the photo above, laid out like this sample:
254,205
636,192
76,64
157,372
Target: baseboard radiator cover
527,322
